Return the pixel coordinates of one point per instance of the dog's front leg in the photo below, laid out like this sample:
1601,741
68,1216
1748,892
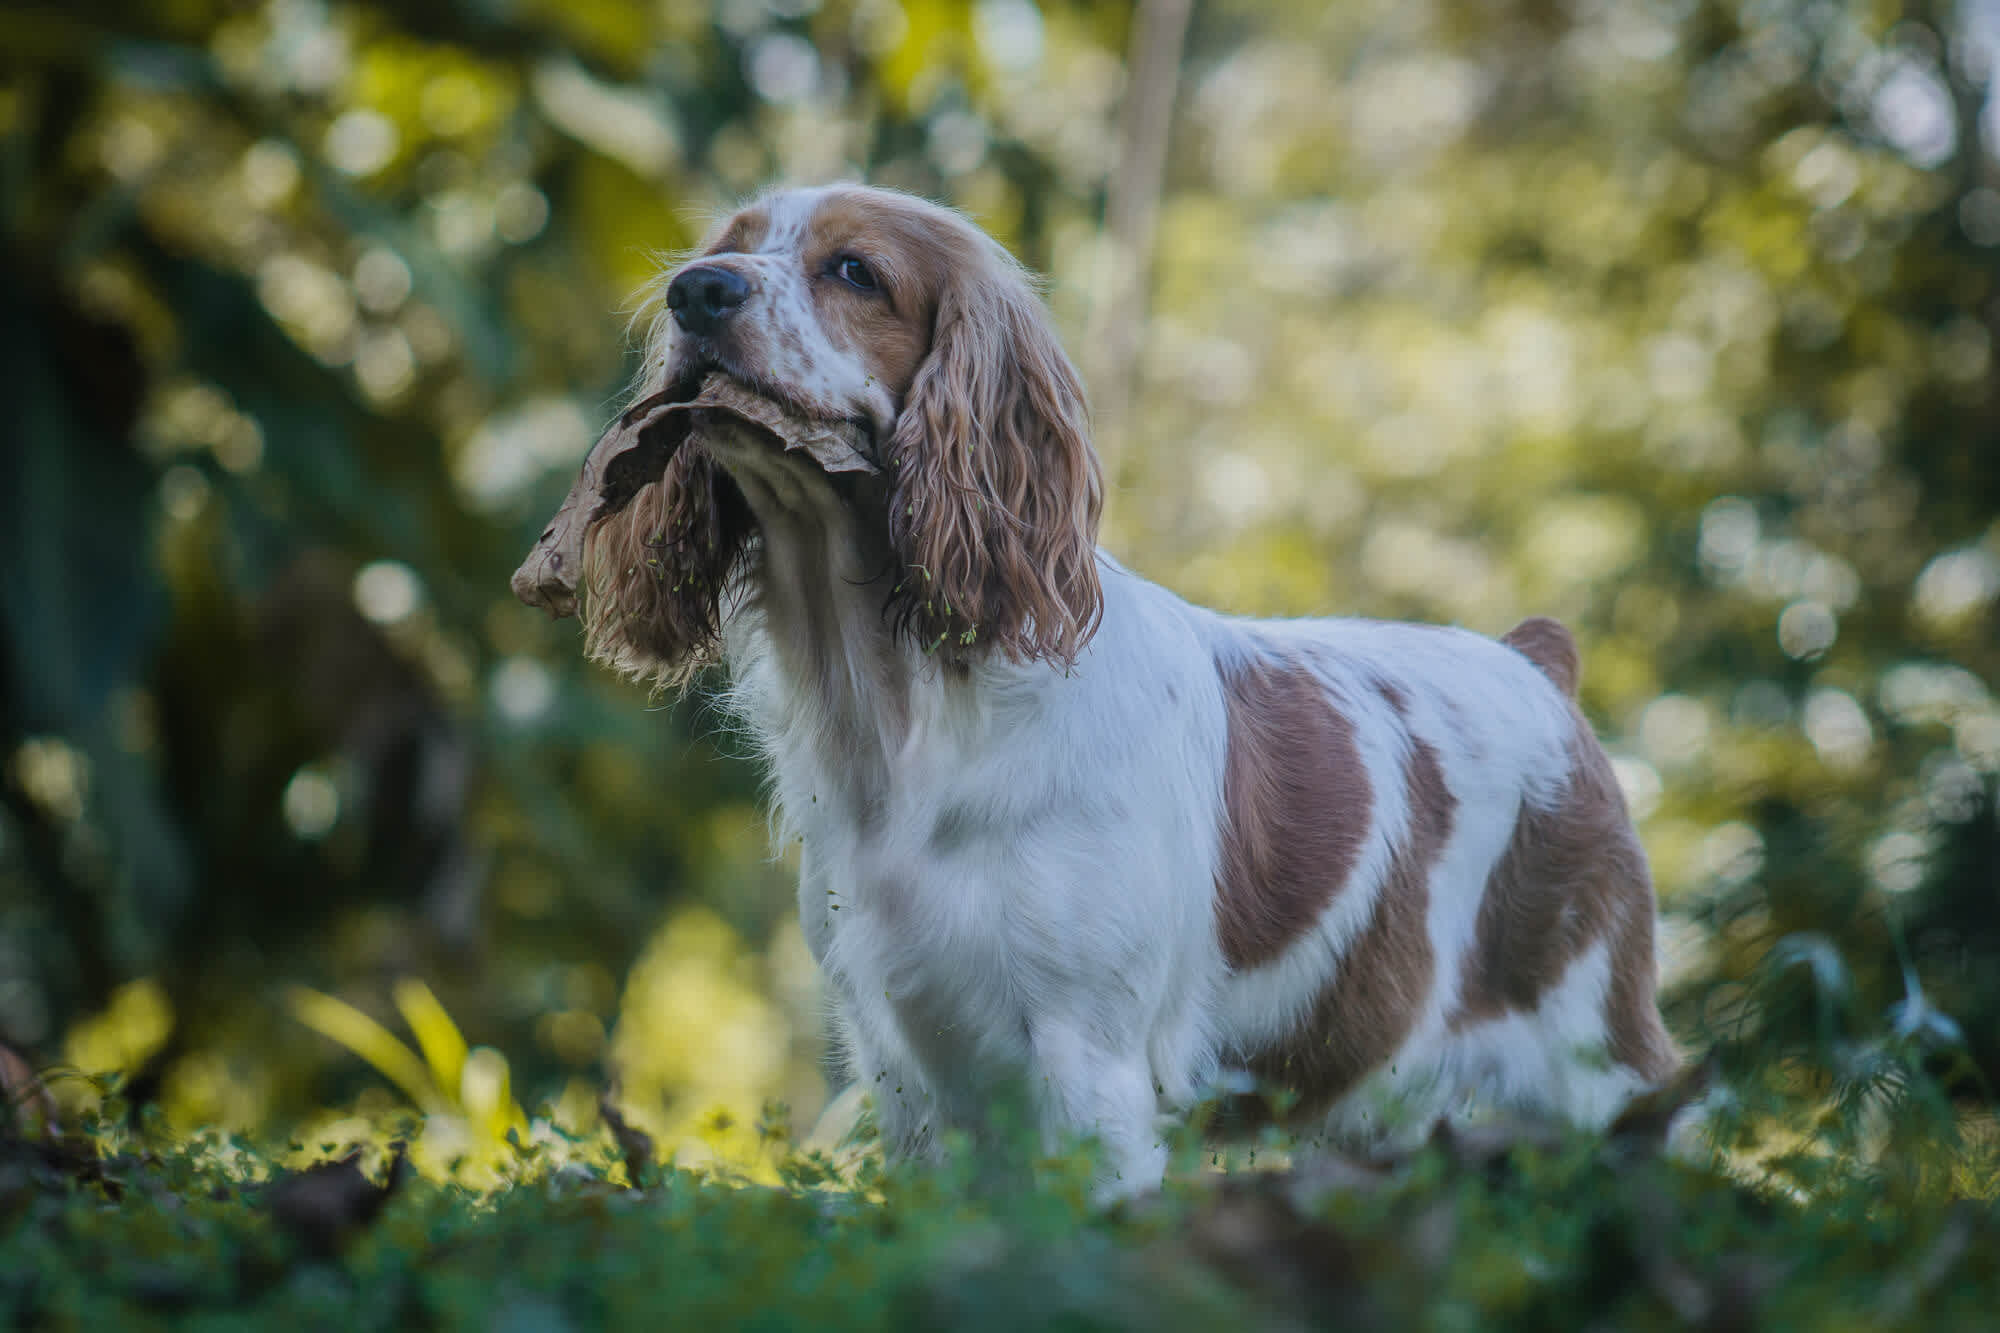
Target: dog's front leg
906,1112
879,1062
1084,1089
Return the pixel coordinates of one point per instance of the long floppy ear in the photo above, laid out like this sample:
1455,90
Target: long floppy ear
654,573
997,491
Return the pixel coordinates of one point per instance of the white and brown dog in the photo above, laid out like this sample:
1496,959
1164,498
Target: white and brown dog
1060,827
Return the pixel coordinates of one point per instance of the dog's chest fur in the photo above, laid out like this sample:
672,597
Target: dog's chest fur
972,884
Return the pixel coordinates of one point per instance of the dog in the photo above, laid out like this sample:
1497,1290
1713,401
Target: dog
1059,828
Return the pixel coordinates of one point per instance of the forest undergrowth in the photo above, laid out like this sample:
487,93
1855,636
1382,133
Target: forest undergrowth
1807,1199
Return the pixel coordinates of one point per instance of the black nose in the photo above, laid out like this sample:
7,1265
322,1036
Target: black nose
703,296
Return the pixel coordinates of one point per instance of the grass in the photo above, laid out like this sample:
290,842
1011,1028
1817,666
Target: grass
1497,1228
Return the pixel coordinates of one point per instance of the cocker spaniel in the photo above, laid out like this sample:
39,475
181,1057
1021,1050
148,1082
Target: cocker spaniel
1061,829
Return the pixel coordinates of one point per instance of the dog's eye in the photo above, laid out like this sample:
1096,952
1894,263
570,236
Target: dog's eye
855,273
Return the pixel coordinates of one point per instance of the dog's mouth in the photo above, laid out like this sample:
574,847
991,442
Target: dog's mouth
699,399
865,433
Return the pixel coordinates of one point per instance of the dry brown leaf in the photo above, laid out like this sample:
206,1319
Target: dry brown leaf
635,451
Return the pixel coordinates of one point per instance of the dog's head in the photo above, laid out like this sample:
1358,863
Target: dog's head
906,327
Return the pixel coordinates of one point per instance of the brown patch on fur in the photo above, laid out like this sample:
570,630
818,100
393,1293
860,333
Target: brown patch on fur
1364,1013
1296,796
1549,645
655,570
1571,875
1635,1036
743,232
890,328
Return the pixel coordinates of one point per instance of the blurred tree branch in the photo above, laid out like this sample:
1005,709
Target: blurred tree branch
1131,217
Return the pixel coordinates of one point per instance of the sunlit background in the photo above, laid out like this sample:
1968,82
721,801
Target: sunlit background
1674,320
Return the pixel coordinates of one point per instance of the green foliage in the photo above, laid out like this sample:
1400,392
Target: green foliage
1527,1232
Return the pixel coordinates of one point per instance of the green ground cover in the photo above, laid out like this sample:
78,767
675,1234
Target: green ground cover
1495,1227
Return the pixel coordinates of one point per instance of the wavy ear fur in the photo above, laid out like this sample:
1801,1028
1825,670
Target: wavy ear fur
997,491
654,573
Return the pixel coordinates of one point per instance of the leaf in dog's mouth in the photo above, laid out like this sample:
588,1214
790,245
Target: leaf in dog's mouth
660,424
634,452
836,445
657,427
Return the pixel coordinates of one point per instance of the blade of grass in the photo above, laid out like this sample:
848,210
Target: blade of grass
439,1039
342,1022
